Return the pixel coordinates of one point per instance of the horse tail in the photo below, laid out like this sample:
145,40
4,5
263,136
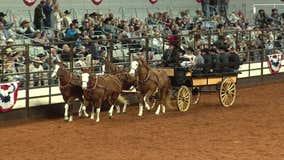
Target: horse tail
122,99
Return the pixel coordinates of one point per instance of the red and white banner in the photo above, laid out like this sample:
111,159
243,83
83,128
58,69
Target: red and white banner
97,2
29,2
153,1
274,62
8,95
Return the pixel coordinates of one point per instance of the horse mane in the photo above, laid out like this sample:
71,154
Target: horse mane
112,67
144,63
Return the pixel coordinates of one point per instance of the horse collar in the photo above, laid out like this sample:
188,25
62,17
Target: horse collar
146,77
68,83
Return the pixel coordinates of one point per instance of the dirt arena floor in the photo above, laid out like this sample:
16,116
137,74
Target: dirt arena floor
253,129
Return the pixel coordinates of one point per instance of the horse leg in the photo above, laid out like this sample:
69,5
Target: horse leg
84,111
117,109
124,108
140,114
82,108
110,112
93,112
163,100
98,110
70,112
66,107
121,100
158,109
146,99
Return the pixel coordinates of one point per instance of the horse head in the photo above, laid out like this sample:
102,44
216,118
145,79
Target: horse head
137,63
86,76
57,68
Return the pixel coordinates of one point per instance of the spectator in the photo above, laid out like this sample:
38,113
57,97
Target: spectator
188,58
39,16
223,59
208,61
199,62
37,69
2,18
276,19
5,34
47,10
261,19
71,33
67,20
66,53
234,61
40,38
26,29
56,19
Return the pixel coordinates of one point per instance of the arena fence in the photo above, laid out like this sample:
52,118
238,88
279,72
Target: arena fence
38,88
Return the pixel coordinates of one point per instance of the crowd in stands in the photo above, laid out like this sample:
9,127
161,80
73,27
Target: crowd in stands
177,39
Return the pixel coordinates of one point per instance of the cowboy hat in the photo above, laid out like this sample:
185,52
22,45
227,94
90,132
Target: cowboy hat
37,60
10,40
24,22
9,50
67,12
2,14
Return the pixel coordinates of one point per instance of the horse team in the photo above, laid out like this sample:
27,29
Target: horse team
94,89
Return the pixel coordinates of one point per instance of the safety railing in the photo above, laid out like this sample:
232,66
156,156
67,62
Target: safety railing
119,51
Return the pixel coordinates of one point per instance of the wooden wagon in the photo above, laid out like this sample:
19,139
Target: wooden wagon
188,86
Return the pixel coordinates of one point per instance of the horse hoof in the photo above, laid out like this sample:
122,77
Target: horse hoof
86,115
97,121
66,118
92,118
110,117
157,114
80,114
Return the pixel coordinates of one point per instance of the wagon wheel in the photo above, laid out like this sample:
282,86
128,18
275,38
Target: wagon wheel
228,92
183,98
195,95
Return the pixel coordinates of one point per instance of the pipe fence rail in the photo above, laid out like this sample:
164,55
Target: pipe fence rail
33,75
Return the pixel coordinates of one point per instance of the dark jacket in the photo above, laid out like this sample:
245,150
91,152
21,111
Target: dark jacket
234,61
224,62
207,62
38,17
171,57
47,9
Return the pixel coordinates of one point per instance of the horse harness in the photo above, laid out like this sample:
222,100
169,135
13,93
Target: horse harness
99,86
67,84
147,77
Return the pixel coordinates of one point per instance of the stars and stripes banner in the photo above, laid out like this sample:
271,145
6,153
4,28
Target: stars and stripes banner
8,95
29,2
274,62
97,2
153,1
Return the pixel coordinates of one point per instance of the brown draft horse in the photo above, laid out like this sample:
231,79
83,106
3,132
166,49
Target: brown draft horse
149,83
127,81
97,89
70,88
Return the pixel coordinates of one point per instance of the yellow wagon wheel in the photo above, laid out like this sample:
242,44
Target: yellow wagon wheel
195,95
228,92
183,98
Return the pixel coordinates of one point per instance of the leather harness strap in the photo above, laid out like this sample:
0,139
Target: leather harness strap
147,77
68,83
